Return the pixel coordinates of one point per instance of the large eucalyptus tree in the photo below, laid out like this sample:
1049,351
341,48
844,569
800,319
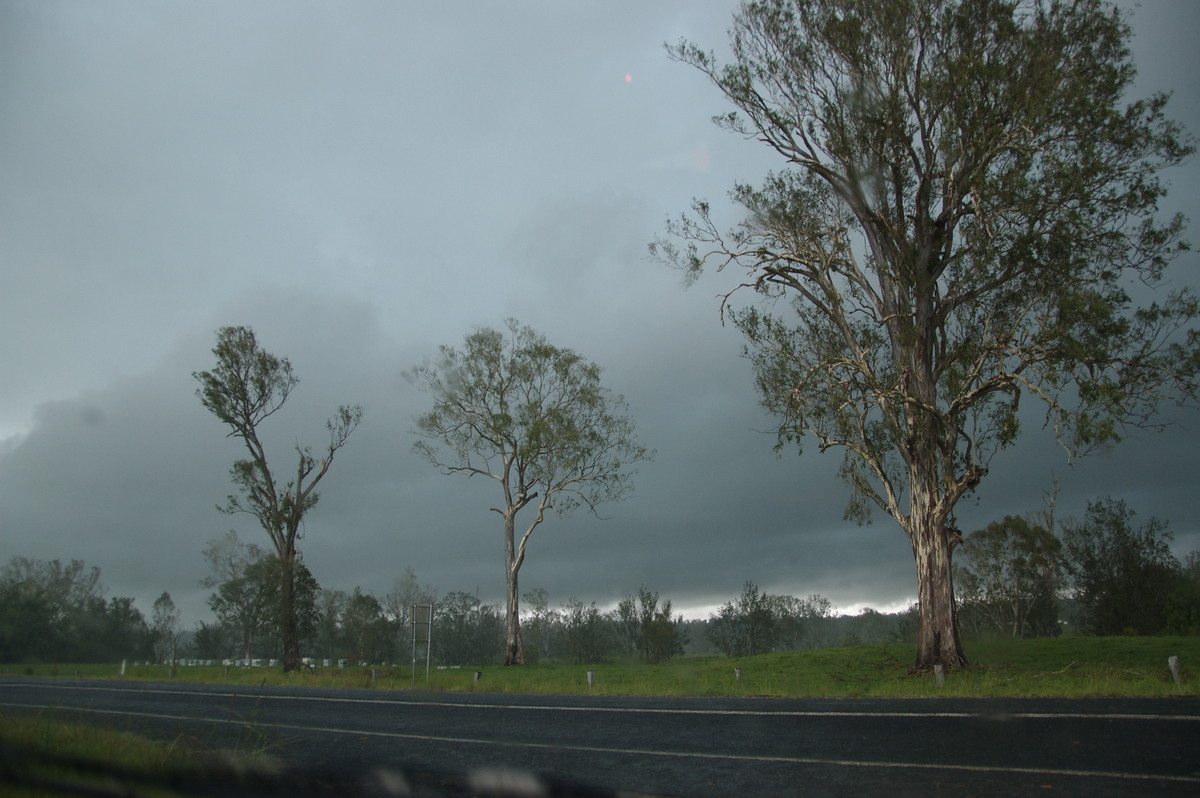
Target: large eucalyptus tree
966,217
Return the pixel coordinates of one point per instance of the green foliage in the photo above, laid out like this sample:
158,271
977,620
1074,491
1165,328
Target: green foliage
327,641
247,386
530,415
1007,579
51,612
398,605
647,630
248,383
1182,611
758,623
540,624
241,604
212,641
352,626
247,600
969,188
588,637
366,628
164,622
467,631
264,580
1122,575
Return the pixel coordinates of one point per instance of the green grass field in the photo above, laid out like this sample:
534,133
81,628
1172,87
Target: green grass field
1069,667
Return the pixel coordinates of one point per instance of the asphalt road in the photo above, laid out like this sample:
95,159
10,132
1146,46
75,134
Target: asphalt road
665,746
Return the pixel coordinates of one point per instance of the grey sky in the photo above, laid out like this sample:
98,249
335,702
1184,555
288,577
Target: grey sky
363,181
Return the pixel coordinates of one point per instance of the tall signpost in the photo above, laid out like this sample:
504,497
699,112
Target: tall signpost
422,631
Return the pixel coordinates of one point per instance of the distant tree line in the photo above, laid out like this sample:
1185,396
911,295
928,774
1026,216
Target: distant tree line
1100,575
1022,576
362,627
56,612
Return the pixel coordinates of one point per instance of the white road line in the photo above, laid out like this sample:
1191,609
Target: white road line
784,760
641,710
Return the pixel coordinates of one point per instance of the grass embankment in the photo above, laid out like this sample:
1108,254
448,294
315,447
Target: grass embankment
1068,667
86,760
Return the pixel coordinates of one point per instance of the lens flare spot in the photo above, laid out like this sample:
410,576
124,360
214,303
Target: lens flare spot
628,78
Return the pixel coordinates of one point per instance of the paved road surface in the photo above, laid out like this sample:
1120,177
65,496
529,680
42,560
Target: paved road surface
673,746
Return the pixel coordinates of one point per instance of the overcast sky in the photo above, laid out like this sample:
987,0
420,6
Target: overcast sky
363,181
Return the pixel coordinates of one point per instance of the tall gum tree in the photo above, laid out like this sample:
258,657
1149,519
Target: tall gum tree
968,200
534,418
247,386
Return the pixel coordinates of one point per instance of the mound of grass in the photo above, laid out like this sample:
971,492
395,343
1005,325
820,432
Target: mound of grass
47,755
51,756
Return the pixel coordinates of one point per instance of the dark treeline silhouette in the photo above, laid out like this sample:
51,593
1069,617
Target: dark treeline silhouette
51,612
1032,576
1022,576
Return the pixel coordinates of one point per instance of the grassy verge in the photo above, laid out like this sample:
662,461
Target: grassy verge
80,752
1069,667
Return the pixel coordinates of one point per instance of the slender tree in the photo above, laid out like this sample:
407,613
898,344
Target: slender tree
247,386
588,636
534,418
746,626
757,622
330,609
542,623
469,632
165,624
968,202
236,600
648,629
366,628
398,606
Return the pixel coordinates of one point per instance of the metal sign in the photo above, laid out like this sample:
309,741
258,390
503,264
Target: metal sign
422,635
422,615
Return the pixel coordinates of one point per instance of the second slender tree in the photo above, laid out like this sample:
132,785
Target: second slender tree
536,419
246,387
